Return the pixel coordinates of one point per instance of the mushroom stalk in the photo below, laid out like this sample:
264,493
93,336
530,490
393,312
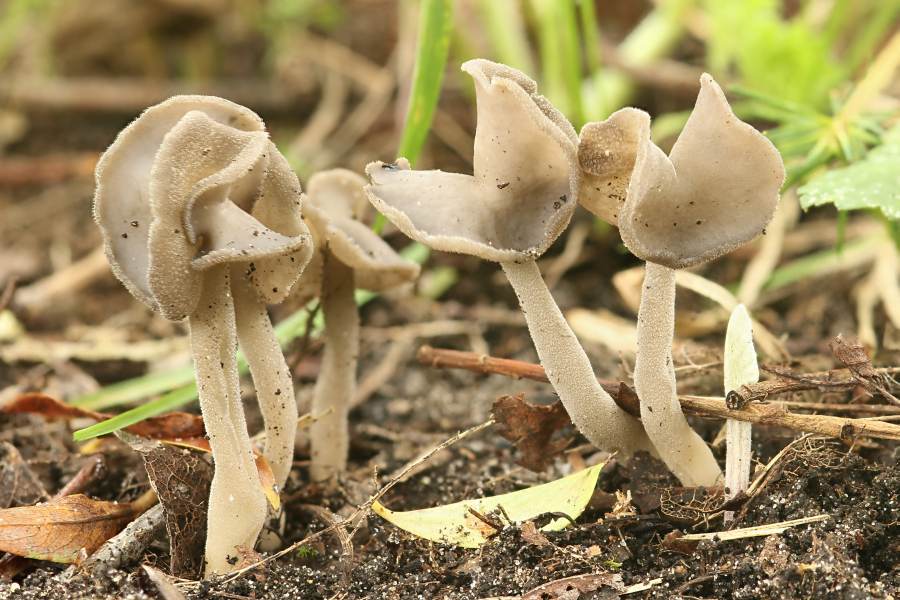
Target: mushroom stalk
271,377
592,410
683,451
237,505
336,384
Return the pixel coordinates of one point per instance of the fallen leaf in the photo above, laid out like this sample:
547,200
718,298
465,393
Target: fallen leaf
157,585
181,479
562,589
529,428
18,485
534,537
59,529
169,426
853,355
647,475
456,524
266,477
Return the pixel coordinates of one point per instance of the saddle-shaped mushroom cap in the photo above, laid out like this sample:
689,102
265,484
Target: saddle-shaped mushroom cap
192,183
607,152
521,196
334,205
717,189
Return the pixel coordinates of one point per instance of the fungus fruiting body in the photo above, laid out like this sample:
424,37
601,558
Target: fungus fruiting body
348,255
717,190
212,215
521,197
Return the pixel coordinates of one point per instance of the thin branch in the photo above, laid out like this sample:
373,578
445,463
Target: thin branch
773,414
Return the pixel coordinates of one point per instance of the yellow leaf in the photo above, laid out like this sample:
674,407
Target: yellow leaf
457,524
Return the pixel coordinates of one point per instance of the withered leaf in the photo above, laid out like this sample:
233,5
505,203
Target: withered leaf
18,485
853,355
157,585
170,426
529,428
181,479
59,529
602,586
647,475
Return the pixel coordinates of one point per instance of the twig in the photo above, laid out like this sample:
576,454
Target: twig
759,531
773,414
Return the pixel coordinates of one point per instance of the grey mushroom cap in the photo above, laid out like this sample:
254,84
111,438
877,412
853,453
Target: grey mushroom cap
525,184
717,190
607,152
195,182
335,205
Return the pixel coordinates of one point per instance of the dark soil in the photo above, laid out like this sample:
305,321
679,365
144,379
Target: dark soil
46,224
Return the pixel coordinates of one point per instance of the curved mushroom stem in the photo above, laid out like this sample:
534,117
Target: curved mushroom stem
592,410
237,505
336,384
271,377
688,456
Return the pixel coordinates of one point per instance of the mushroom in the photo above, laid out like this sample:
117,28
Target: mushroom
521,197
717,190
348,255
200,216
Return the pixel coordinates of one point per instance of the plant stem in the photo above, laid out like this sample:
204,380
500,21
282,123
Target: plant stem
336,384
237,505
683,451
592,410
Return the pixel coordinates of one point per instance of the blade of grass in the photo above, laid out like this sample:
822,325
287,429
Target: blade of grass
432,47
505,27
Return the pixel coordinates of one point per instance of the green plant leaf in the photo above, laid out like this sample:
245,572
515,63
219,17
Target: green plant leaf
873,182
455,524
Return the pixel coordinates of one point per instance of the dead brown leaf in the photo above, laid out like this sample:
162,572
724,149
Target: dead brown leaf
58,530
853,355
18,485
529,428
533,536
164,427
574,587
647,475
181,479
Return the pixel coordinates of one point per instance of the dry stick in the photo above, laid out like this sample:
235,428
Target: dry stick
363,510
773,414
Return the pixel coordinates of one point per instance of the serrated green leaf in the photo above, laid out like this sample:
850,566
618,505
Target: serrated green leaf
455,524
873,182
740,355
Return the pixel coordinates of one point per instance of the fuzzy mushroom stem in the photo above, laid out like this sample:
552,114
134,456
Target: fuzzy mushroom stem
237,505
336,384
592,410
683,451
271,377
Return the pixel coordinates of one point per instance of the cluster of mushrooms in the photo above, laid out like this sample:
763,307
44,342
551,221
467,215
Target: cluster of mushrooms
201,219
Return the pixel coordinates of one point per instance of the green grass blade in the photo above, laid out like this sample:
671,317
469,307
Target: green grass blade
431,58
161,405
433,44
135,389
505,27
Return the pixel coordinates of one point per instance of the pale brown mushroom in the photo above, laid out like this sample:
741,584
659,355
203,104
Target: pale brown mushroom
200,216
717,190
349,255
521,197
